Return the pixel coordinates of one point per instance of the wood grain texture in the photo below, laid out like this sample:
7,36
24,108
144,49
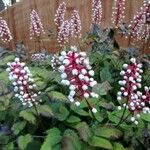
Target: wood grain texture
17,18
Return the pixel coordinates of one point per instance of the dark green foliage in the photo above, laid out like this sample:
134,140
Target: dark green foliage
58,124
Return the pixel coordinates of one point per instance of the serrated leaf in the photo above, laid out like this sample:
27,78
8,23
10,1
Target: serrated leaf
23,141
6,59
9,146
115,116
108,132
100,142
146,117
79,110
4,76
107,105
103,88
118,146
99,116
84,131
45,110
63,113
105,74
28,116
34,145
70,141
52,139
57,96
73,119
18,127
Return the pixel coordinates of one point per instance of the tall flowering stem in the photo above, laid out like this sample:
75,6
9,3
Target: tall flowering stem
59,16
5,33
77,74
97,12
118,12
132,98
64,32
139,27
24,86
75,24
36,26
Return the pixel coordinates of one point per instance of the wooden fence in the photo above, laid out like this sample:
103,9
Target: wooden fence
17,18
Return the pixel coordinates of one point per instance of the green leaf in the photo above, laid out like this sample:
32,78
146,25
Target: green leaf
105,74
52,139
118,146
28,116
100,142
79,110
39,72
63,113
6,59
73,119
115,116
57,147
108,132
9,146
146,117
98,116
84,131
107,105
70,141
5,101
34,145
45,110
103,88
18,127
57,96
23,141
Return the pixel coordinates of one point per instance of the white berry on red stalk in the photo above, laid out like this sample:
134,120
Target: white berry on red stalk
22,82
76,72
136,101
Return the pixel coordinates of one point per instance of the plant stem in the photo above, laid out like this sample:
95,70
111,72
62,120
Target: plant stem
39,117
90,108
121,117
125,118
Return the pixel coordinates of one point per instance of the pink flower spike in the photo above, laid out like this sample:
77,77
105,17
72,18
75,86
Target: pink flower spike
118,12
24,86
97,12
60,14
36,26
75,24
64,32
139,27
5,33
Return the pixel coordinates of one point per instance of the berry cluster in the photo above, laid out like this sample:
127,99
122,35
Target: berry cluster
75,24
5,33
59,16
118,12
23,83
39,57
36,26
139,27
76,73
97,12
135,101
